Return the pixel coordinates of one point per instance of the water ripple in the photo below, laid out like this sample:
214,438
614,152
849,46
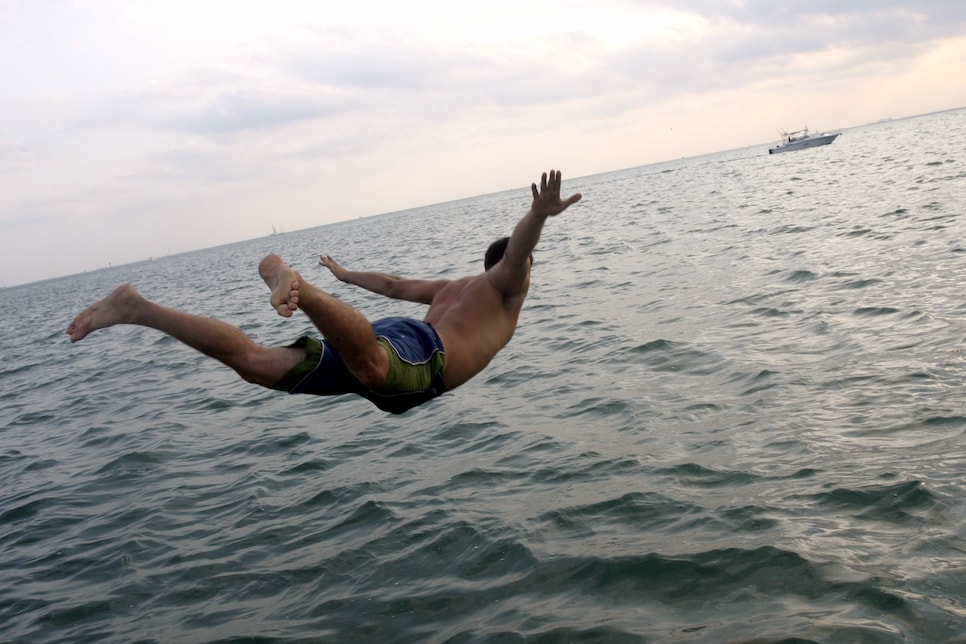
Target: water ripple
733,412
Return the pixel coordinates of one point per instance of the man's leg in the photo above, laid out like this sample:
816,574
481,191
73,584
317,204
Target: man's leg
343,326
253,362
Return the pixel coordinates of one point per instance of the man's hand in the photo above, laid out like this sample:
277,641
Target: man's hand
329,262
546,200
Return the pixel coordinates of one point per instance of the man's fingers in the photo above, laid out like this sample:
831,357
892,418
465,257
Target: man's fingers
550,185
553,182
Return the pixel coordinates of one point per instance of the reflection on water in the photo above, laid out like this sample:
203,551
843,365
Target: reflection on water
733,411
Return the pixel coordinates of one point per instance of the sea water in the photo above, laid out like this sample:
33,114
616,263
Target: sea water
734,410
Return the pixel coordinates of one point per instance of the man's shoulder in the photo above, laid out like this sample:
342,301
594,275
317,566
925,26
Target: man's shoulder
457,288
463,282
482,287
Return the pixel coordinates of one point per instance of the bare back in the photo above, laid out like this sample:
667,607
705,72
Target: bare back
474,321
474,316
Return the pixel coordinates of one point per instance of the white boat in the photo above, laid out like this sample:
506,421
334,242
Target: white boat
801,139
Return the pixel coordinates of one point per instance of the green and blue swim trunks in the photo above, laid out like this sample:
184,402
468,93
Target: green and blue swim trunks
416,360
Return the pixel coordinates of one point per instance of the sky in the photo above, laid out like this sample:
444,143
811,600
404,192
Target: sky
140,128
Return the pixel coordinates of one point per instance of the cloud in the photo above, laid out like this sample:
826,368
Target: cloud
253,110
117,113
13,154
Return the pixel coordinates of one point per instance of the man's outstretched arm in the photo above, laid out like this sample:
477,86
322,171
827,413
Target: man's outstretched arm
400,288
511,274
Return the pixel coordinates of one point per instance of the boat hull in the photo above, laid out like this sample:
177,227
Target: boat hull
801,144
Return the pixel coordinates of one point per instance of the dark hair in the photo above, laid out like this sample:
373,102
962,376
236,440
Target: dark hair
495,253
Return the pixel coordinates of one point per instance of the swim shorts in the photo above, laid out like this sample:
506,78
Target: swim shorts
416,360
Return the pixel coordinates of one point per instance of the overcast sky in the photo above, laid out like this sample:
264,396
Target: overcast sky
137,128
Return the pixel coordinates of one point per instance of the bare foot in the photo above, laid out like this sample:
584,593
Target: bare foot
284,283
117,308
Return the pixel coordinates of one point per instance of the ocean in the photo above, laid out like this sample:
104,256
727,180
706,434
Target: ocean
734,411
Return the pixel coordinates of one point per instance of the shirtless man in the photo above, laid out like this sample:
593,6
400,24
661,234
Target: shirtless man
397,363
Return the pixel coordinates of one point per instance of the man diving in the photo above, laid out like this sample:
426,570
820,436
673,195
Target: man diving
396,363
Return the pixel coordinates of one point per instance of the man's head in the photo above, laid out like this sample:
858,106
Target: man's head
495,253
